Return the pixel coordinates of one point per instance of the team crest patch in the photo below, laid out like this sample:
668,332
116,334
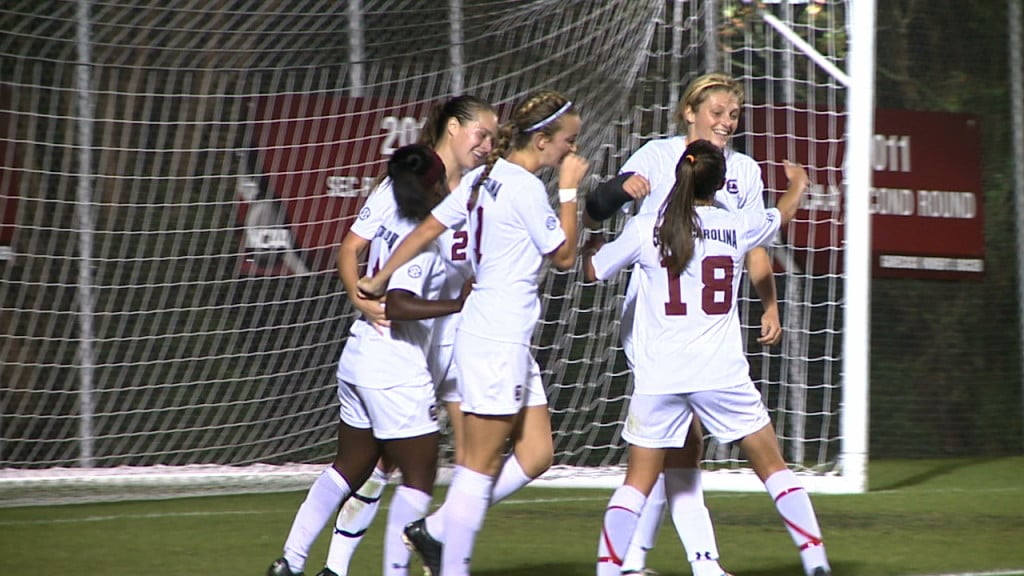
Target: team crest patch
732,186
364,213
415,271
551,223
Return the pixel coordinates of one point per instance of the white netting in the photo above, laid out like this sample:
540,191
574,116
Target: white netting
175,181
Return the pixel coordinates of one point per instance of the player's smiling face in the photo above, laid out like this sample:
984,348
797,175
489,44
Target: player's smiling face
714,119
563,141
473,141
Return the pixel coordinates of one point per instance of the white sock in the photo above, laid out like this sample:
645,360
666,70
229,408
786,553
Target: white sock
646,528
794,505
469,497
620,520
323,498
435,522
408,504
355,517
690,516
510,479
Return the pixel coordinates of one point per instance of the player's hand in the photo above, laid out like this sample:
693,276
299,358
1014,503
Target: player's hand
771,328
372,310
795,173
636,186
594,243
370,288
571,171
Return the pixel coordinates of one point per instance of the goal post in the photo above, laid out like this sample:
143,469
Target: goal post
175,182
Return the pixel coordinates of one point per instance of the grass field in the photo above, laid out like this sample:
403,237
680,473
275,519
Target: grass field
920,517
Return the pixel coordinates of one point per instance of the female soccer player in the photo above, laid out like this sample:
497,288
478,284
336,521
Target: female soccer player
710,110
688,348
461,130
385,388
503,399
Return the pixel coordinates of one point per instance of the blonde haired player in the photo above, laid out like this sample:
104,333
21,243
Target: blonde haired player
513,228
688,349
461,129
709,109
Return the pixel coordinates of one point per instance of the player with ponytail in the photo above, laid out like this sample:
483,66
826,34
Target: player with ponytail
513,229
709,109
688,351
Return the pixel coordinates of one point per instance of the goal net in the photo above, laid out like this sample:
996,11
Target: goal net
175,182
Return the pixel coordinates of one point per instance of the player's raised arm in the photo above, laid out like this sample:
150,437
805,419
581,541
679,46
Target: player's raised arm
571,171
790,201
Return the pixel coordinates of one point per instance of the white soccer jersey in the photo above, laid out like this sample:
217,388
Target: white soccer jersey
657,159
686,330
379,208
377,357
456,247
512,227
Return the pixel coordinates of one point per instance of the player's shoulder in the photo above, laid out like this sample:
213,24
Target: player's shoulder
672,146
735,160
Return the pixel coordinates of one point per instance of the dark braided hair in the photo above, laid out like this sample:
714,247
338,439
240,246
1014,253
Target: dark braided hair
700,172
537,114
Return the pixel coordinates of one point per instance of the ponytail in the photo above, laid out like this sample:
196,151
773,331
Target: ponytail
700,172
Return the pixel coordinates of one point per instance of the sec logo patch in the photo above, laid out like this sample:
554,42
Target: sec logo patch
551,223
415,271
364,213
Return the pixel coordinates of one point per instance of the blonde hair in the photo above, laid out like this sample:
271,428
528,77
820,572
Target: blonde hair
699,90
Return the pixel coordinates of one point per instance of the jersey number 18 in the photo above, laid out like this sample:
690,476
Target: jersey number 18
712,286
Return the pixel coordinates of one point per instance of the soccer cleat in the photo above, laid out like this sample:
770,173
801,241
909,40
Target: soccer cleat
822,571
280,567
327,572
418,540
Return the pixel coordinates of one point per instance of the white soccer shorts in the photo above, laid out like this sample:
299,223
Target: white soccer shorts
663,420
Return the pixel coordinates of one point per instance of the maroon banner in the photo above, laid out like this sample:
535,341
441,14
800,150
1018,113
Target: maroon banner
926,197
313,158
312,161
9,170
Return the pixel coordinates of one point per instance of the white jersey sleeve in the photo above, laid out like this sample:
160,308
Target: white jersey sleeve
759,228
656,161
453,211
744,189
539,219
621,252
422,276
376,211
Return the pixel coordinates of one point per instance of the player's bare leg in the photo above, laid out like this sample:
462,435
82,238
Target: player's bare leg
790,497
532,453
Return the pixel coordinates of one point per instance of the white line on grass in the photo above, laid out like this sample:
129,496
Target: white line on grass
1018,572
